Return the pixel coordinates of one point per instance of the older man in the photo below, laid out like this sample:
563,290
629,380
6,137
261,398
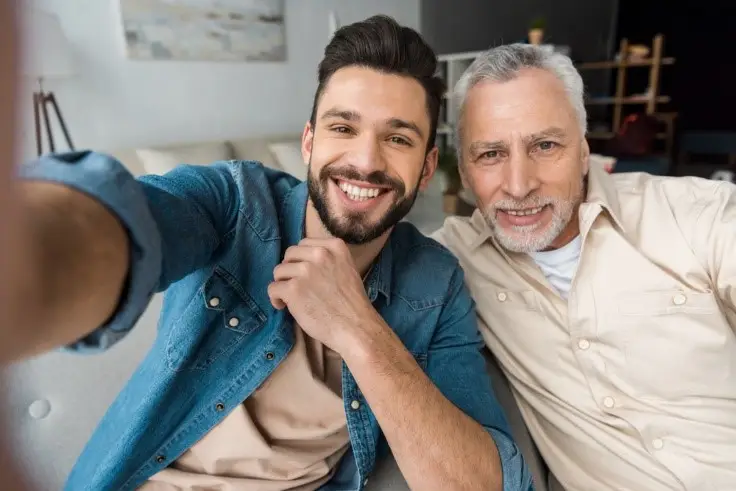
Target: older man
608,300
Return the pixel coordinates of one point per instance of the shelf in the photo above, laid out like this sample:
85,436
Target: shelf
603,101
605,135
597,65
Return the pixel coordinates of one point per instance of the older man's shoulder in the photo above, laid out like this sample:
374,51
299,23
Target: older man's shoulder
669,190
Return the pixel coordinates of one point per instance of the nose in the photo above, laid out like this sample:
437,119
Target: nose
520,176
366,154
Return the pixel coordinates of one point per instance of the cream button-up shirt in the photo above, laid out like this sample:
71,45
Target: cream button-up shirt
630,383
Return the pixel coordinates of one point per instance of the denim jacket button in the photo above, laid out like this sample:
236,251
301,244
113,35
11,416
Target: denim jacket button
219,407
214,302
269,356
355,405
160,459
233,322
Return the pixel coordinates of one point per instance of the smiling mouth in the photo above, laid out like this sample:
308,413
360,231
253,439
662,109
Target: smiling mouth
360,193
524,213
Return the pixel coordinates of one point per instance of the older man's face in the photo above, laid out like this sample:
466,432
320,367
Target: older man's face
525,159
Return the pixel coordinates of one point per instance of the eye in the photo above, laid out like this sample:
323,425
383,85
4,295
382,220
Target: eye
400,140
491,154
546,146
342,129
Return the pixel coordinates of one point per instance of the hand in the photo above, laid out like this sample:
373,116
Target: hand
318,282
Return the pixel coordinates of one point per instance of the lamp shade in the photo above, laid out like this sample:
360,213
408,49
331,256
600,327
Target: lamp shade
332,23
46,50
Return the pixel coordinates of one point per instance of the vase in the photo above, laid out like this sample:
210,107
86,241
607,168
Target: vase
535,36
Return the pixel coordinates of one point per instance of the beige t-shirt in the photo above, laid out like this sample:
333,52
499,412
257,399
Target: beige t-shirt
289,435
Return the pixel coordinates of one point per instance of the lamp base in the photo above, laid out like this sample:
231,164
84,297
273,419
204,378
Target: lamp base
41,102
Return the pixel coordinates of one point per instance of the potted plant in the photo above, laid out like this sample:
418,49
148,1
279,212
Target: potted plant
536,30
447,164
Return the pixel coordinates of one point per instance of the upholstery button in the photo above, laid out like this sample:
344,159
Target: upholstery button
657,443
502,297
219,407
160,459
679,299
214,301
355,404
39,409
269,356
233,322
609,402
583,344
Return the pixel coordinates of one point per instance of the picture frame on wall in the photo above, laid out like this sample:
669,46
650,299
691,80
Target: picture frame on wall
204,30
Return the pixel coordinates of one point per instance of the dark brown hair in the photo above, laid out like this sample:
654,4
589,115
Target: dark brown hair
380,43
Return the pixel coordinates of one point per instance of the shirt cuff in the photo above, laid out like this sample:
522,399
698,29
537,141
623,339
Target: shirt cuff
516,474
109,182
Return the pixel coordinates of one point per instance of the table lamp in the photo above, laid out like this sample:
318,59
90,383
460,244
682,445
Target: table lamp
47,55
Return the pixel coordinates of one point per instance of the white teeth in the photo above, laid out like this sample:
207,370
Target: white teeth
521,213
357,193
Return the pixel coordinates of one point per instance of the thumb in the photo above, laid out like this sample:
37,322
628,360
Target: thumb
275,295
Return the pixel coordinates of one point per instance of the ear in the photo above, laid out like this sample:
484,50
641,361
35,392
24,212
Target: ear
307,140
585,156
430,166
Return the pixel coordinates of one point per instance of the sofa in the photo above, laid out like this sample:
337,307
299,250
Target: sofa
54,401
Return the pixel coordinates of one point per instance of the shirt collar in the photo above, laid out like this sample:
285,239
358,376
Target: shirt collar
601,191
292,220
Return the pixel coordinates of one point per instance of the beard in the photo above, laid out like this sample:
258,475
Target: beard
533,238
358,227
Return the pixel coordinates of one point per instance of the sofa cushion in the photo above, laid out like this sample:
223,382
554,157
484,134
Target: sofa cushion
289,157
163,159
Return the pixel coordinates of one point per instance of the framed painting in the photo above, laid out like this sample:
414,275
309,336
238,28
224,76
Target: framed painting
204,30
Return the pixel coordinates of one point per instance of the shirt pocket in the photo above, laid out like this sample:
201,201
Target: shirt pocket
219,317
676,343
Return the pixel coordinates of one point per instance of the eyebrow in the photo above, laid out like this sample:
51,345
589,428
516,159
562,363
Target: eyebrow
553,131
395,123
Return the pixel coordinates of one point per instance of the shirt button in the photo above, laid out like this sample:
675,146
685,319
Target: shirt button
609,402
233,322
502,297
160,459
583,344
657,443
679,299
355,405
214,301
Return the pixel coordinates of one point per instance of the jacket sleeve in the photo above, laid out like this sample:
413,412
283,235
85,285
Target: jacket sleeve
175,222
455,364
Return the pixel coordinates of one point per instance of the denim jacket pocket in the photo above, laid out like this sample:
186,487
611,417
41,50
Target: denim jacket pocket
219,316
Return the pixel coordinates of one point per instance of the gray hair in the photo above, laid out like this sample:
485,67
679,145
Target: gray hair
503,63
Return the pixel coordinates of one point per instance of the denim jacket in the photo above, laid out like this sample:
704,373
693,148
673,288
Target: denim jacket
201,232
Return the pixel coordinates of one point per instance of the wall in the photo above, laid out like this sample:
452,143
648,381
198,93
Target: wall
117,103
587,26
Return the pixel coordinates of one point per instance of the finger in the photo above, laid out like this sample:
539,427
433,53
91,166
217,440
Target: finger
306,253
289,270
276,295
333,245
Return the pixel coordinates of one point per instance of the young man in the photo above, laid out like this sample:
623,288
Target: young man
302,322
608,300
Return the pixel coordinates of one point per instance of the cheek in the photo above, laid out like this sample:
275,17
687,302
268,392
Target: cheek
485,183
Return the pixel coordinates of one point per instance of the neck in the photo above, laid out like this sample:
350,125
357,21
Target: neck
363,254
